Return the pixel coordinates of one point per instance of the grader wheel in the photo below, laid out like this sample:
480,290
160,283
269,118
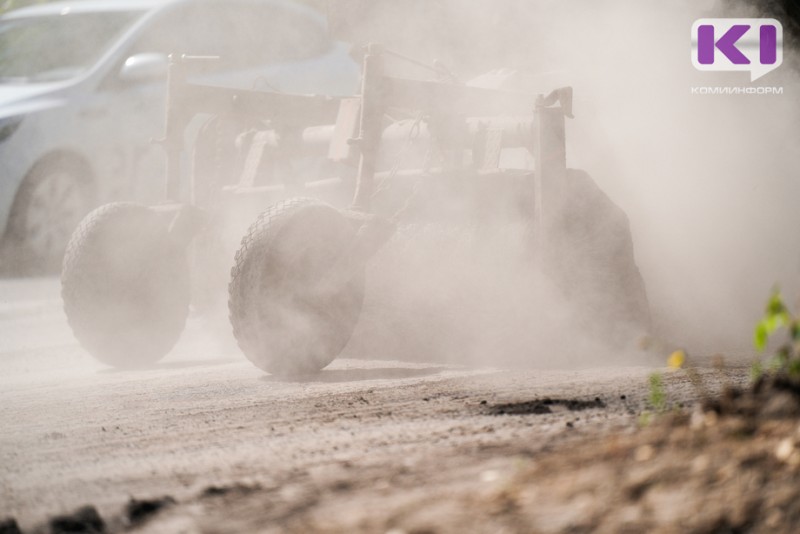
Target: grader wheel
283,320
125,285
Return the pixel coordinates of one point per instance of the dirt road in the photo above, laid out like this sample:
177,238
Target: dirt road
361,446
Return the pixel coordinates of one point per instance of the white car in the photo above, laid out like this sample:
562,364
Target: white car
83,91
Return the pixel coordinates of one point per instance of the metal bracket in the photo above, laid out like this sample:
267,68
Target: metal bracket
561,96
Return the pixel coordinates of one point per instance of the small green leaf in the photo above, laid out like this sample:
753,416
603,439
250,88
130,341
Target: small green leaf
767,326
794,330
760,336
794,368
775,305
779,319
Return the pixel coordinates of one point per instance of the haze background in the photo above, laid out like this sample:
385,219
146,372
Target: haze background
710,183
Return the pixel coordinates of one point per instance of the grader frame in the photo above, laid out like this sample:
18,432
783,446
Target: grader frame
297,285
463,117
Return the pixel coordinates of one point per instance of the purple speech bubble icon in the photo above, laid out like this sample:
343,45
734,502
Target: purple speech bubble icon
737,44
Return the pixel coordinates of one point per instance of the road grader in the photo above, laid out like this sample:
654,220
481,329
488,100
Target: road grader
316,169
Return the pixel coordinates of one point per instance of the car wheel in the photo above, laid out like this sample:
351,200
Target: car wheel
50,203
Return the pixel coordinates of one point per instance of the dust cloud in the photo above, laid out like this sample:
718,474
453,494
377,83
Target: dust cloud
709,182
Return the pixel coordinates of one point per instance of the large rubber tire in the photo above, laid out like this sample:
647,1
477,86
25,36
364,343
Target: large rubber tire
283,323
49,204
125,285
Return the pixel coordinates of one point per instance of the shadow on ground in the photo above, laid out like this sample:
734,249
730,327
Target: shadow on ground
356,375
184,364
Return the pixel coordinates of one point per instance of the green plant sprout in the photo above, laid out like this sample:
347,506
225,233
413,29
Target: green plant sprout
787,357
658,396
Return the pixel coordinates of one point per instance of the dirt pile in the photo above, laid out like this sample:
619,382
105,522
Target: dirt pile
771,397
732,465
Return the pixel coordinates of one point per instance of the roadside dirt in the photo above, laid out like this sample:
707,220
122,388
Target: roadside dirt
723,468
204,442
704,472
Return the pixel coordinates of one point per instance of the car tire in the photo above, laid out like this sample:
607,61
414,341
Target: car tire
125,285
282,323
49,204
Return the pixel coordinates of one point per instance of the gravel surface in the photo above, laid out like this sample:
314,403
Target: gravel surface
206,442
